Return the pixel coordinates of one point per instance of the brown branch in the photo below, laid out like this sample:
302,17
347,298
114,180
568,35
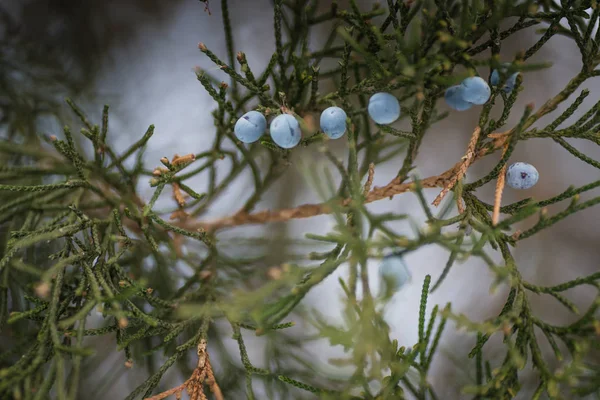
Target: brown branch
176,391
460,205
393,188
212,382
462,169
499,189
369,182
194,386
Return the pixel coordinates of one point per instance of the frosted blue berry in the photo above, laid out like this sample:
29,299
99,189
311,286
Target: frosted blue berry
250,127
333,122
393,273
475,90
384,108
455,100
521,175
510,82
285,131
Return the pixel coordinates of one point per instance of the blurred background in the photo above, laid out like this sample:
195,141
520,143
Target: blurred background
138,55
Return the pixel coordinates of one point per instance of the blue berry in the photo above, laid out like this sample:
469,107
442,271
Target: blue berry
475,90
250,127
495,78
510,82
384,108
333,122
285,131
521,176
393,273
454,99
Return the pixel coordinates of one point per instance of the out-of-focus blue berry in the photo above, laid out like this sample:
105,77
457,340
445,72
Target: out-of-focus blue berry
384,108
333,122
250,127
475,90
510,82
495,78
393,273
521,175
455,100
285,131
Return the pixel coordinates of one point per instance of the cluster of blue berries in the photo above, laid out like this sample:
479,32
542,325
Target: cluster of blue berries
471,91
285,130
476,91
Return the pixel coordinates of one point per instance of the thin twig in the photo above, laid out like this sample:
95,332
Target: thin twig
467,160
499,189
176,391
369,182
212,382
194,385
178,195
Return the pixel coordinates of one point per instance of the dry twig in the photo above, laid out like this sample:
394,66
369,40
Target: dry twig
467,160
369,182
188,158
393,188
499,189
178,195
194,386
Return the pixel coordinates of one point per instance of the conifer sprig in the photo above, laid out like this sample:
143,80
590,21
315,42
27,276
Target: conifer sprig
83,254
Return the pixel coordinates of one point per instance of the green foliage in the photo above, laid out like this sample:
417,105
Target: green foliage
77,237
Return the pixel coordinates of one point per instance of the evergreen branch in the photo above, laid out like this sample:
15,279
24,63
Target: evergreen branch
65,248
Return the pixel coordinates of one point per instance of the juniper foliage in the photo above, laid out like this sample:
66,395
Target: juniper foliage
77,237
